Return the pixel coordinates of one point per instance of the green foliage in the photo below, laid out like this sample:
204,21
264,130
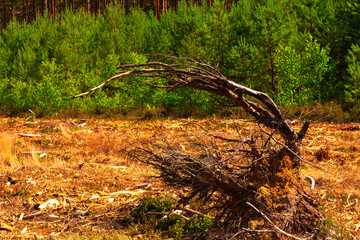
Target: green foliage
177,226
178,27
260,27
146,214
171,223
265,45
301,73
198,224
150,204
353,86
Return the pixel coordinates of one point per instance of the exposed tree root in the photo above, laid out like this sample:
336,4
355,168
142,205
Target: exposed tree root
257,179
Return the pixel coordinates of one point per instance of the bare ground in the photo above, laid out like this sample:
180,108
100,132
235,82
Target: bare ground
81,167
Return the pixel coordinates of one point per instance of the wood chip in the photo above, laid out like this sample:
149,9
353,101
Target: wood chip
144,185
127,192
52,203
29,135
190,211
77,213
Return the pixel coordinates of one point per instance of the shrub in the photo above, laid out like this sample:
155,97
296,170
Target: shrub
150,204
147,214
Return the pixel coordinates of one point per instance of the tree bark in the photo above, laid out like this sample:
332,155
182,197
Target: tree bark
88,6
54,9
127,6
24,10
35,10
61,8
4,14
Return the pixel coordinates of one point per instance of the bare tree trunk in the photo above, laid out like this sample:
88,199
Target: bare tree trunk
54,9
61,9
28,20
127,6
4,15
35,10
24,10
157,8
272,71
88,6
45,5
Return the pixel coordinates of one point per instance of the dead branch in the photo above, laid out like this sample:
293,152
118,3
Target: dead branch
35,152
204,77
213,135
35,215
291,151
190,211
29,135
312,181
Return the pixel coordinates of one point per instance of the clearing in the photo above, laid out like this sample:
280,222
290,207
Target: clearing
80,166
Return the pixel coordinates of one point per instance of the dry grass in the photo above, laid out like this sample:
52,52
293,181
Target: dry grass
339,189
84,167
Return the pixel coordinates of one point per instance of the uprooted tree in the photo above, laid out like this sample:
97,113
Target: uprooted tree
253,182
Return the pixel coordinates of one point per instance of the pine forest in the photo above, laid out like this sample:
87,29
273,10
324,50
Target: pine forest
304,54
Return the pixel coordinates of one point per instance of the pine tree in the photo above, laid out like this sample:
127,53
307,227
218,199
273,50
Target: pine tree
261,27
353,86
301,72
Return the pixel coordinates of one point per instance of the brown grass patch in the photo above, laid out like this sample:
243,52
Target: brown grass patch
83,167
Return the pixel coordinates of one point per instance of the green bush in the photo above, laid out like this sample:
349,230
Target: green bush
139,214
146,214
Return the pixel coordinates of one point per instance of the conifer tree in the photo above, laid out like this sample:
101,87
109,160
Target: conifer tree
301,72
353,87
261,30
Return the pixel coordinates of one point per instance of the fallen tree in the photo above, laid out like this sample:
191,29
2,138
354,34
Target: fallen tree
253,182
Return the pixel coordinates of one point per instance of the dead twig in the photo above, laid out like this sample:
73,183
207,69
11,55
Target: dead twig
213,135
29,135
67,226
190,211
276,227
295,154
251,230
35,152
35,215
